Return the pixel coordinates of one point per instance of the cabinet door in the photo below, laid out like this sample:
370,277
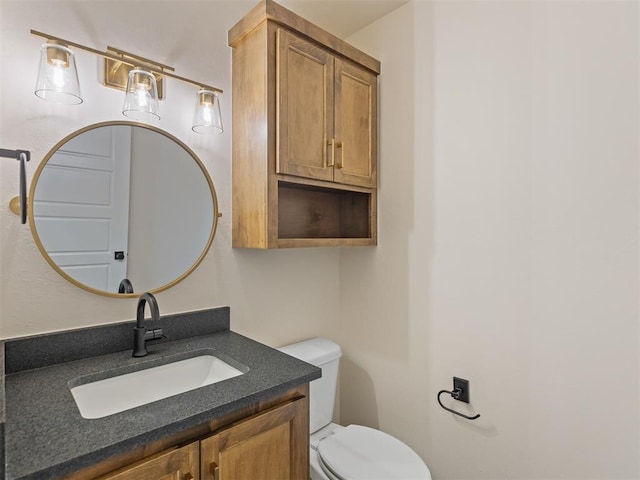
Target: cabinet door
176,464
304,88
356,97
273,445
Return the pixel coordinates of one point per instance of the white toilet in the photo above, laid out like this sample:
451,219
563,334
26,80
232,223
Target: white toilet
353,452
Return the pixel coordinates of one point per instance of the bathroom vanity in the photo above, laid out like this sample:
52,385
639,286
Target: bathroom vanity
253,425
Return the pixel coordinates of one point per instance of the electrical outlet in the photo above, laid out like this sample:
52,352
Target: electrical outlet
463,386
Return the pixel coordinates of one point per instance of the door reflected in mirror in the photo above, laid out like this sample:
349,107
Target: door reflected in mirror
118,201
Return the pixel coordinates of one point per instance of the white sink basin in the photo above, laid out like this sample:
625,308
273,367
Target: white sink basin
119,393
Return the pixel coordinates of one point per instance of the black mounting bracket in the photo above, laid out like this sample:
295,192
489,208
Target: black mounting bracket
22,156
460,392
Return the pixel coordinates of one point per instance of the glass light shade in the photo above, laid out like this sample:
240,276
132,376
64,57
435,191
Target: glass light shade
57,75
141,99
207,118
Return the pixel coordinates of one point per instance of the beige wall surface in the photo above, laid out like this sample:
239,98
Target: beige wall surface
508,236
508,223
275,296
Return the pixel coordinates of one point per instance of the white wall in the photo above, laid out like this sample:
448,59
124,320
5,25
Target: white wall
275,297
508,223
508,240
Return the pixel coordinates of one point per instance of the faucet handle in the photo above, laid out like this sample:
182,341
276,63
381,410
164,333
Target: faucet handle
154,334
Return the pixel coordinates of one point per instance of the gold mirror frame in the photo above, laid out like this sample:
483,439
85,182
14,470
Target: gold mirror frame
45,254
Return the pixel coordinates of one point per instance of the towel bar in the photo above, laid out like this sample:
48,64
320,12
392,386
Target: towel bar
460,392
22,156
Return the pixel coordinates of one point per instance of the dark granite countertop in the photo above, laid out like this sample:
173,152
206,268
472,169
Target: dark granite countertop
47,438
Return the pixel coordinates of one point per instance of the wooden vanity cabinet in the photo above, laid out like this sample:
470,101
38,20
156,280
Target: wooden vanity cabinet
266,441
175,464
304,134
264,447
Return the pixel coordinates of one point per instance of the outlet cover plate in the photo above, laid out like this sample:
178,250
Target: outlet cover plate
463,385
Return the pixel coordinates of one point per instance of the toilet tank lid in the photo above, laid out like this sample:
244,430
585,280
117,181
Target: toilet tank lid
316,351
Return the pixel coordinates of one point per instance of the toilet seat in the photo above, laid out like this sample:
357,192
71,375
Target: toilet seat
362,453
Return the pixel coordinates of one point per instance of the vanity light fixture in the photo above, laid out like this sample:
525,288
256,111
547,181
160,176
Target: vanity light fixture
57,75
206,117
140,78
141,98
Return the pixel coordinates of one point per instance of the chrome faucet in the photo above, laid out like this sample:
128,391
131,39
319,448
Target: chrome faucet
140,333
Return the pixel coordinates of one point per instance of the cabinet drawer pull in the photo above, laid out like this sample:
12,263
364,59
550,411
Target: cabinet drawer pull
331,143
340,164
215,470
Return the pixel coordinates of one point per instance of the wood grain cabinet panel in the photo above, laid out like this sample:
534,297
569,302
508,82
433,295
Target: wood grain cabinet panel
263,447
175,464
304,134
326,115
305,108
355,125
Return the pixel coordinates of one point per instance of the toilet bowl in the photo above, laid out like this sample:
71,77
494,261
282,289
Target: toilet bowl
354,452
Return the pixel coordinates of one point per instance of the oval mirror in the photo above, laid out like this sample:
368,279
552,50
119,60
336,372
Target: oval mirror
121,207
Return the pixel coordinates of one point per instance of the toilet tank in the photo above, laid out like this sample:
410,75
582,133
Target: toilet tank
325,354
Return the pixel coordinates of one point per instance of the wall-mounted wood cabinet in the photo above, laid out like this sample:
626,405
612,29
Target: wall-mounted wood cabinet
304,135
326,114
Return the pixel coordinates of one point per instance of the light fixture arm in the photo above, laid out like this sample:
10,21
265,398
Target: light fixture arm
129,59
135,60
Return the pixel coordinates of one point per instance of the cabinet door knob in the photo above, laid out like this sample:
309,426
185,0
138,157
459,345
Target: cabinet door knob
340,164
188,476
215,470
331,143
